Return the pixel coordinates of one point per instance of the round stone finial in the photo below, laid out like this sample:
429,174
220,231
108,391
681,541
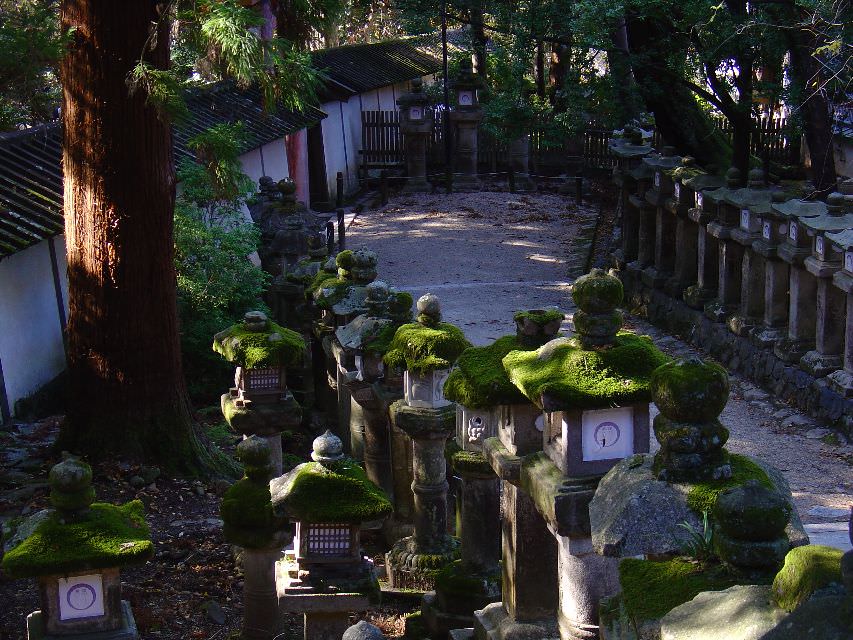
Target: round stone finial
255,321
327,448
597,320
255,454
362,630
690,390
429,310
378,290
835,204
756,178
286,186
71,490
733,177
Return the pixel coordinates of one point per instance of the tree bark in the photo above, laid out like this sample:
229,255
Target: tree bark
618,59
127,389
478,37
679,118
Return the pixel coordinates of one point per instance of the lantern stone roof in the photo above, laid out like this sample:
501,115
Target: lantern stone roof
259,342
703,181
331,492
108,536
479,380
562,375
843,239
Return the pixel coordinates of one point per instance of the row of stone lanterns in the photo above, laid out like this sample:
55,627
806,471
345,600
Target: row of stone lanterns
754,259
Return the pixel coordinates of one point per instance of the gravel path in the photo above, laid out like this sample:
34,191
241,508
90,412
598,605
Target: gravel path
487,255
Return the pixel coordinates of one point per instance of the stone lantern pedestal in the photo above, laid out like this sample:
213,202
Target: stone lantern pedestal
628,153
644,213
75,551
519,158
466,120
842,380
416,125
774,230
707,247
664,225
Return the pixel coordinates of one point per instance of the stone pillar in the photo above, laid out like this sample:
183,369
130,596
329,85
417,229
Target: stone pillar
467,124
751,310
707,255
628,152
775,287
645,214
260,599
412,560
480,539
416,124
729,273
519,158
842,380
657,196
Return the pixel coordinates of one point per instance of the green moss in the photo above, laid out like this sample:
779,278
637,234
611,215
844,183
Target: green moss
415,627
480,381
422,349
331,292
345,259
690,390
111,536
471,462
540,317
684,172
702,496
319,281
274,347
651,589
341,493
381,342
247,512
456,581
806,570
587,379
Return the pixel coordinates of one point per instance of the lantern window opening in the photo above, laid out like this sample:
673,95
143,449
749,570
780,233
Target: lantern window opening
329,540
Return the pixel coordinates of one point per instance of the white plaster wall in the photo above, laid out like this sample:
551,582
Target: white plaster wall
341,146
31,345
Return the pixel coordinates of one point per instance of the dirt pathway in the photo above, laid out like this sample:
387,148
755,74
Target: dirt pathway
487,255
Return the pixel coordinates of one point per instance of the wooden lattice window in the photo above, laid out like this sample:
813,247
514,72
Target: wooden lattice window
260,379
329,540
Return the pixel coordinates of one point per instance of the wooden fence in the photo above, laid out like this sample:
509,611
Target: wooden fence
772,138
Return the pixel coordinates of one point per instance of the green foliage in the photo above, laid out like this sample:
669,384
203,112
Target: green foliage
31,46
651,589
699,545
161,88
341,492
111,536
806,570
217,283
587,379
702,496
422,349
480,381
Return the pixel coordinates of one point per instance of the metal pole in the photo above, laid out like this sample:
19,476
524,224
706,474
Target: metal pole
448,152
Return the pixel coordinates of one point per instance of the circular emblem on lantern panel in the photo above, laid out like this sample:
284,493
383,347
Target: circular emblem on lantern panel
607,434
80,596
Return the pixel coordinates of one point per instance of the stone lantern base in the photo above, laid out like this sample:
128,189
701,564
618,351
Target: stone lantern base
409,568
127,630
495,623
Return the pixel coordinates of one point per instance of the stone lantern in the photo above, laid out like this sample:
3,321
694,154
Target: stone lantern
75,551
324,575
628,151
466,118
416,125
259,403
842,380
594,391
830,302
424,414
663,238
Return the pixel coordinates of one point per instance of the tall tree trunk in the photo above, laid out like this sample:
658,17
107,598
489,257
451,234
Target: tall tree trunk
478,36
679,118
742,117
127,389
814,109
618,59
540,68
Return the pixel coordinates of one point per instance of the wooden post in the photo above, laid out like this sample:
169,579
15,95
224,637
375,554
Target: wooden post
339,196
330,237
342,231
383,186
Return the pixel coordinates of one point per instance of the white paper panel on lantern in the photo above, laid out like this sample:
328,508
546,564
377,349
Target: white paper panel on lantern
608,434
848,261
765,231
792,232
81,597
677,190
818,245
744,218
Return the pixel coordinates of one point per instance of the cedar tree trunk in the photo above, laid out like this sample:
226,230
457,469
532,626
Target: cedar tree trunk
127,394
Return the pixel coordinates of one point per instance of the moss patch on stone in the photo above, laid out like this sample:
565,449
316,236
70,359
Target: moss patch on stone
341,492
422,349
331,291
806,570
319,281
274,347
480,381
540,317
587,379
471,462
248,515
381,342
111,536
651,589
702,496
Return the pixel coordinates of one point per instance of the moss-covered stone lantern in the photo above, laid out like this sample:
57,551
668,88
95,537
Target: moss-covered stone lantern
251,524
691,394
76,551
324,575
594,388
259,403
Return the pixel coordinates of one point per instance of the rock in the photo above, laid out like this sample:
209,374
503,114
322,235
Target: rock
137,482
25,529
199,490
755,394
828,513
781,414
213,611
796,420
824,618
738,613
362,630
817,434
220,486
149,474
